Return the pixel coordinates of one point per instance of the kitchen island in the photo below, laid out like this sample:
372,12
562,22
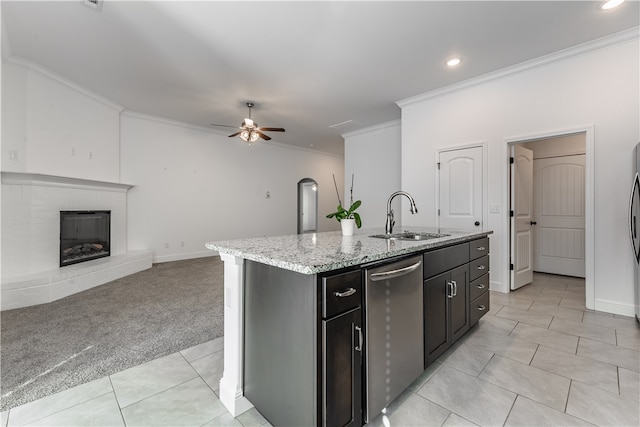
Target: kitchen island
296,271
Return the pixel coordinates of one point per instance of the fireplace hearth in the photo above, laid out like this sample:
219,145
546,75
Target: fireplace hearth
84,235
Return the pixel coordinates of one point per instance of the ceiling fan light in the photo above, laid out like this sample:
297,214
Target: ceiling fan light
244,135
254,137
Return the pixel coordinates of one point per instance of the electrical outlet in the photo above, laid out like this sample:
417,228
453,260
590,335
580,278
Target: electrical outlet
166,245
14,155
182,244
90,155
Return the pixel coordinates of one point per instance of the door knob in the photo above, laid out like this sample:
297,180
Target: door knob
532,222
477,223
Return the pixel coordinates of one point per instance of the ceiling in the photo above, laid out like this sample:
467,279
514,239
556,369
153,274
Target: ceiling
306,65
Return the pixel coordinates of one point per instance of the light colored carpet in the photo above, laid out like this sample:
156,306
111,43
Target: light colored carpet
52,347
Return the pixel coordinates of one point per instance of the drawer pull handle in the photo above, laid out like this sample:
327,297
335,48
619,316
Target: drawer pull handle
346,293
481,285
452,289
481,248
481,308
481,267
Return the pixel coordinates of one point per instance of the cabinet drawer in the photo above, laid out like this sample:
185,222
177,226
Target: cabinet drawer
478,248
440,260
479,286
479,307
341,292
478,267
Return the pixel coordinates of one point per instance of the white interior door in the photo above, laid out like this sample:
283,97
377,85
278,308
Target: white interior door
522,216
559,233
460,192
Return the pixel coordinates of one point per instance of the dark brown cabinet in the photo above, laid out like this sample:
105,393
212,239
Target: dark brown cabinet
456,293
342,342
479,276
446,302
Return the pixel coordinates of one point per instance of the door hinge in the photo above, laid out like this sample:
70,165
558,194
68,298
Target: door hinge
511,160
438,164
438,212
511,214
511,267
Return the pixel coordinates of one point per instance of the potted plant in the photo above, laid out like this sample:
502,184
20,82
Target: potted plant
347,217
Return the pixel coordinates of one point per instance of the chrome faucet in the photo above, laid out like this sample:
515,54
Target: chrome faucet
388,228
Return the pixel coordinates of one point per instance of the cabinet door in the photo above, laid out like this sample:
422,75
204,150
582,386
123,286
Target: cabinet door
459,313
342,370
435,317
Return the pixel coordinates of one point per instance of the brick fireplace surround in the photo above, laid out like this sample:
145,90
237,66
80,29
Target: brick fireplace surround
31,205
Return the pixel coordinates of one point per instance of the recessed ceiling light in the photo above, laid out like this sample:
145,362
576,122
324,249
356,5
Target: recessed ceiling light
610,4
453,62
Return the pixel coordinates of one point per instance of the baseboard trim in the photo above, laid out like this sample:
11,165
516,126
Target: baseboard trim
182,257
615,308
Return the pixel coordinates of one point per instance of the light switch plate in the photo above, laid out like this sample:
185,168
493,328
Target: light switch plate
494,208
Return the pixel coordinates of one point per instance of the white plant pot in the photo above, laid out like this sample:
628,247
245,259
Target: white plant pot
348,225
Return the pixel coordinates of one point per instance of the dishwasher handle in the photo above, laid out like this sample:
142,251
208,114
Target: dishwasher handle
384,275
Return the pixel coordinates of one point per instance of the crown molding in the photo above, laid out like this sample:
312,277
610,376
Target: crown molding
272,142
373,128
572,52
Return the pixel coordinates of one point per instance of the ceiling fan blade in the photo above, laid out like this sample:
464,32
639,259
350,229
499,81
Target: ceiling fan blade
263,136
225,126
272,129
235,134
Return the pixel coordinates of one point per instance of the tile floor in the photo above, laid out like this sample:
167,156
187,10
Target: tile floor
538,358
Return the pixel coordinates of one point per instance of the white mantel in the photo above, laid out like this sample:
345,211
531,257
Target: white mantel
31,205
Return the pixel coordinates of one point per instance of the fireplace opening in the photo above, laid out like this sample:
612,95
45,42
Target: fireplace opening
84,235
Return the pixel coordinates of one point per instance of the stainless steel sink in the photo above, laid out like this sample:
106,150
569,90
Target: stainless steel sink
410,235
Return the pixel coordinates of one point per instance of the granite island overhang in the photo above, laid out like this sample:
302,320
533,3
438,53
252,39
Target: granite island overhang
307,254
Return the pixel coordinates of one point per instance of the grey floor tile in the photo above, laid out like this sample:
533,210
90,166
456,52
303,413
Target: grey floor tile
578,368
224,420
527,413
252,418
629,384
478,401
203,349
593,332
525,316
547,337
54,403
507,346
410,409
509,300
601,407
137,383
536,384
455,420
424,377
609,321
611,354
101,411
628,338
496,324
573,301
544,298
210,368
468,359
192,403
556,310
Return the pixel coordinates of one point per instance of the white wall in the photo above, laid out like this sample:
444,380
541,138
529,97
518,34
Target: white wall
194,185
56,127
598,88
373,156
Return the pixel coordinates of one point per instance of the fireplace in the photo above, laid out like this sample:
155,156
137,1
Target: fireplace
84,235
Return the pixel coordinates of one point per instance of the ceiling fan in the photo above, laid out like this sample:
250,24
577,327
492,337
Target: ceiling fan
249,130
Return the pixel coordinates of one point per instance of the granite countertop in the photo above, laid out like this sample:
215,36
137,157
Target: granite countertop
318,252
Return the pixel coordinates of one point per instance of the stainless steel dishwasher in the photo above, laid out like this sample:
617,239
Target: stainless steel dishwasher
394,355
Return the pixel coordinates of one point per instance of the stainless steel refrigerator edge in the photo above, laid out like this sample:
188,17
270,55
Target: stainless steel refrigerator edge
394,355
634,224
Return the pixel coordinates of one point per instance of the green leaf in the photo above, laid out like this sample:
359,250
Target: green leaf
355,205
357,218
